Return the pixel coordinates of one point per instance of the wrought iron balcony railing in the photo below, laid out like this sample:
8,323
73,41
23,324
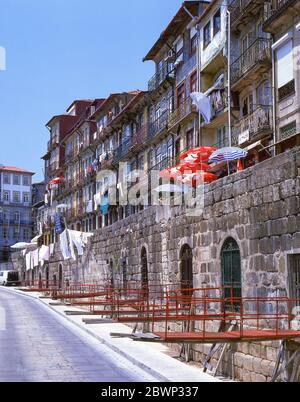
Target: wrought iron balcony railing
181,112
239,8
164,72
258,52
256,123
274,8
159,125
137,140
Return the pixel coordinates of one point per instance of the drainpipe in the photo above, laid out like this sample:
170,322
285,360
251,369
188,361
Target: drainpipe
274,96
229,76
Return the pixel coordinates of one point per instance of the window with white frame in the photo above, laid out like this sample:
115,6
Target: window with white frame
16,180
285,68
6,196
17,217
16,197
26,198
6,178
26,181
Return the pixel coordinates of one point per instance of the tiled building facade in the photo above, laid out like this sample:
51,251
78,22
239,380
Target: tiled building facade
15,209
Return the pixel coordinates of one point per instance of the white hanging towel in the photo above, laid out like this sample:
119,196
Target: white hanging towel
35,258
64,245
28,261
203,104
44,254
51,249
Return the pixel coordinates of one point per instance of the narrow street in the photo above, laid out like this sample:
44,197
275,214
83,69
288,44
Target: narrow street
37,345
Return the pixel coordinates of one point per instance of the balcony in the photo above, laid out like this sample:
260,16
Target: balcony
280,13
163,164
107,162
253,127
102,134
53,167
243,11
249,67
182,113
52,143
136,143
164,74
159,126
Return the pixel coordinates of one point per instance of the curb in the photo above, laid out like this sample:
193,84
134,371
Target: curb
156,375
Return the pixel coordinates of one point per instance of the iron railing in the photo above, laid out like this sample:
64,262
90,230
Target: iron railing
164,72
258,121
159,125
275,8
181,112
240,7
258,52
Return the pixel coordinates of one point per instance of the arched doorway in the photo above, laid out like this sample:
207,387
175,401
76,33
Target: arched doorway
60,276
144,269
47,277
231,270
112,277
186,267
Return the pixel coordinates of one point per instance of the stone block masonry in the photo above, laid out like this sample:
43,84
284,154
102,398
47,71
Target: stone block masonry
259,208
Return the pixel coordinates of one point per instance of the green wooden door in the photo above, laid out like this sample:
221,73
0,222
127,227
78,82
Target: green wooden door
231,271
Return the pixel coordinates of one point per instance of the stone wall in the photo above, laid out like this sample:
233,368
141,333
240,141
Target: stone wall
259,208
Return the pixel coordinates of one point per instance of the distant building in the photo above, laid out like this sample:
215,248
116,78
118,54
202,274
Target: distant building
38,202
15,208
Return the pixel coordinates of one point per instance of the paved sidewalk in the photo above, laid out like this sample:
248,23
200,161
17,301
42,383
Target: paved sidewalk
149,357
36,344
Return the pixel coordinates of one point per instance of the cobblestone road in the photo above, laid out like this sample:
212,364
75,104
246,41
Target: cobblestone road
37,345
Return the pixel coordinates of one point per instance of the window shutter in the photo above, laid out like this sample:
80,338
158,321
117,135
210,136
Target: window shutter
285,68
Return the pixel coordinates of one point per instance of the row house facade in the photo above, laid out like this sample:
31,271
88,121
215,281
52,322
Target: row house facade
282,21
234,54
251,79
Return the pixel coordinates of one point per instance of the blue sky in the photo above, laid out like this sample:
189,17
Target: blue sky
60,50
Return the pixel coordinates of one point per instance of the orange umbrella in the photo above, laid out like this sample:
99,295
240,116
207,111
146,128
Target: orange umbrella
200,153
194,178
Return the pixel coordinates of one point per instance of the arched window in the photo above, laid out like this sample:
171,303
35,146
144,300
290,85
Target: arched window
144,268
186,267
231,269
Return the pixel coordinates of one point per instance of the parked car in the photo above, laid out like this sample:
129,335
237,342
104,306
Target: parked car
9,278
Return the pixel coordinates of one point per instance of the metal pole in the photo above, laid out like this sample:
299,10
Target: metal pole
199,83
229,76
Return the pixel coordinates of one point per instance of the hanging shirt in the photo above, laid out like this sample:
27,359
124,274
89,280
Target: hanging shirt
28,261
64,245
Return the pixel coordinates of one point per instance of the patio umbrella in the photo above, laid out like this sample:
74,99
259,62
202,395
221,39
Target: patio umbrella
228,154
57,180
200,154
